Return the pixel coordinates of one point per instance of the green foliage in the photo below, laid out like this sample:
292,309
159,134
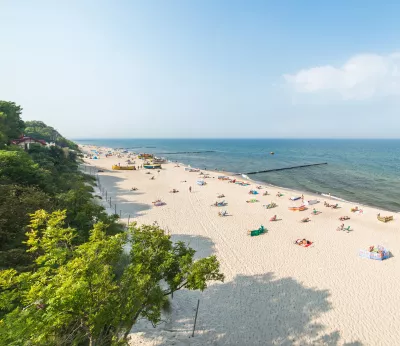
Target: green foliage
39,130
11,125
74,284
44,178
93,292
18,167
16,203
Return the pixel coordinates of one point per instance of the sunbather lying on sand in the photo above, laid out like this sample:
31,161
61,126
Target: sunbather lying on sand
306,219
302,242
134,189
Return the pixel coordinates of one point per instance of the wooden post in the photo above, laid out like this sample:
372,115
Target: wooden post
110,202
129,217
195,317
115,208
106,195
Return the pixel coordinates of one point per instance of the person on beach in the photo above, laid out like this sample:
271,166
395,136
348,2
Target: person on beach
190,189
302,242
302,198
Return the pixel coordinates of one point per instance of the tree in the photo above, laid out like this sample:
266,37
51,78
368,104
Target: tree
17,167
11,125
39,130
94,292
16,203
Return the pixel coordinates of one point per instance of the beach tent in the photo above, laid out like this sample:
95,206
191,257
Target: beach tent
201,182
294,198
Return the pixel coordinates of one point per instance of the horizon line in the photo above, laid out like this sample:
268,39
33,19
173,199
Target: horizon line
235,138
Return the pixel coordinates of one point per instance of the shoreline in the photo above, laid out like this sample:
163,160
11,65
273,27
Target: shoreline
294,191
304,296
314,193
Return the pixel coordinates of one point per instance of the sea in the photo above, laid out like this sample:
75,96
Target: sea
362,171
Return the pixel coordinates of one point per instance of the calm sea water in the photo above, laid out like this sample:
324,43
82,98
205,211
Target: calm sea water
363,171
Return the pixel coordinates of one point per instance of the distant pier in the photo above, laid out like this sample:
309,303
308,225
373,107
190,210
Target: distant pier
285,168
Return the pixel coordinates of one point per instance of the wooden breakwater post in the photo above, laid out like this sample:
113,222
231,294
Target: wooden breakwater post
195,317
285,168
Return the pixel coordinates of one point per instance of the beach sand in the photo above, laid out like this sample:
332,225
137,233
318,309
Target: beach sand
275,292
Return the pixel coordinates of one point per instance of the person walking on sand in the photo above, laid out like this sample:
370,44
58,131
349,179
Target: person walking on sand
190,189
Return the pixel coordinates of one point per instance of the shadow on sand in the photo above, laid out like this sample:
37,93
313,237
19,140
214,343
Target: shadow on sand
118,197
248,310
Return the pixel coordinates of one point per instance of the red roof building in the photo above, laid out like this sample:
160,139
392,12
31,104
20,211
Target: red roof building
25,142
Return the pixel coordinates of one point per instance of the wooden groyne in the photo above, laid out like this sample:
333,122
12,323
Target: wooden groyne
285,168
188,152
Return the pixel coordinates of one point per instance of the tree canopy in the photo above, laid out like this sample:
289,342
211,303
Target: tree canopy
11,124
65,276
39,130
94,292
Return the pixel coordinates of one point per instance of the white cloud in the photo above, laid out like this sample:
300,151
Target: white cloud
361,77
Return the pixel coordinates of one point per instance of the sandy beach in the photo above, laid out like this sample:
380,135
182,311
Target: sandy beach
275,292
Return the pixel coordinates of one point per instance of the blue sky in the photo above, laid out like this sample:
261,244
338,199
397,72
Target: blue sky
97,69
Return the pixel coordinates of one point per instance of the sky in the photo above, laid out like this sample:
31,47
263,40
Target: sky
204,68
